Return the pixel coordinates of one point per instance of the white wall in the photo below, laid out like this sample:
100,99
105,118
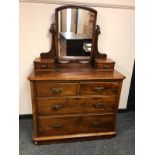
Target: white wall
116,39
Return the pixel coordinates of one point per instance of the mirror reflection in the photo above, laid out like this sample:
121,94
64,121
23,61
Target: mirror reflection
75,32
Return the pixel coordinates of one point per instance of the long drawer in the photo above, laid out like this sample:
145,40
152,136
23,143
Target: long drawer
98,88
49,126
54,106
47,89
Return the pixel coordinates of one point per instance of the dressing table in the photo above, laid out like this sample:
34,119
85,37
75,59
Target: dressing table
74,96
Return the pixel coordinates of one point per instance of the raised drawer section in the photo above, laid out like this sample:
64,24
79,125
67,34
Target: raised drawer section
98,88
49,126
47,89
54,106
43,65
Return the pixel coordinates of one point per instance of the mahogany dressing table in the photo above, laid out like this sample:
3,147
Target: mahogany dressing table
74,97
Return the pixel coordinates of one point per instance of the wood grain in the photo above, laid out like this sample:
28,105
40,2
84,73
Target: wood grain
47,88
76,105
72,74
49,126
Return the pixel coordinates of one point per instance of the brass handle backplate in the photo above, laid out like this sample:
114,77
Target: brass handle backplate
43,65
98,105
57,106
96,124
57,126
56,90
106,66
99,89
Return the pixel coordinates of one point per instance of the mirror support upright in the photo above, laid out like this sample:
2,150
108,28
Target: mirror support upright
50,60
96,53
52,53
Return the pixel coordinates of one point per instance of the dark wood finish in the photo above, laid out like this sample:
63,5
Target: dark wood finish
72,74
43,64
77,99
76,105
104,64
47,88
98,88
34,105
49,126
96,53
73,138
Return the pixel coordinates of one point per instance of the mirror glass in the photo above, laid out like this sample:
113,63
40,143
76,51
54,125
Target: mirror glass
75,30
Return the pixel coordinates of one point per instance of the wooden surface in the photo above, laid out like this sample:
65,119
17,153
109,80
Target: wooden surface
75,75
74,100
76,105
47,88
86,108
73,137
75,124
98,88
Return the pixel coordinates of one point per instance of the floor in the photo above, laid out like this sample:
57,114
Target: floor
122,144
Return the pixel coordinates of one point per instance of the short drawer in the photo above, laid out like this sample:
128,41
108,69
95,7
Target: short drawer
98,88
49,126
47,88
43,65
54,106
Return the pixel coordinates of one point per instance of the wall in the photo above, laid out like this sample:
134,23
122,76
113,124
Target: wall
116,39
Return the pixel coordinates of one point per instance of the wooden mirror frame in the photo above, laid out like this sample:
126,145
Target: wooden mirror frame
57,31
53,52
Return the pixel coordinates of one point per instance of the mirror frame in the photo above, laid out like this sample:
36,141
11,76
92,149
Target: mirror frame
69,58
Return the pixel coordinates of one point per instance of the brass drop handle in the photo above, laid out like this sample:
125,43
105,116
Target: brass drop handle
44,66
56,90
99,89
57,106
106,66
96,124
57,126
98,105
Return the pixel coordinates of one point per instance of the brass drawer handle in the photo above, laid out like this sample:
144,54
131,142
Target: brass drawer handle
44,66
96,124
99,89
57,126
56,90
98,105
106,66
57,106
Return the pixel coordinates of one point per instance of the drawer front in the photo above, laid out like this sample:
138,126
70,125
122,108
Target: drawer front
54,106
98,88
47,89
105,66
108,66
43,65
49,126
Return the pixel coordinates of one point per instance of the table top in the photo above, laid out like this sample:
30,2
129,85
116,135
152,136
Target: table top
65,74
